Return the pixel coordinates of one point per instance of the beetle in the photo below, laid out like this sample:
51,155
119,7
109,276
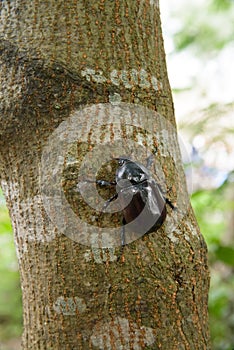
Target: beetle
141,197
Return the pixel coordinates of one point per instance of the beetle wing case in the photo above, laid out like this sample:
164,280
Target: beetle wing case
146,211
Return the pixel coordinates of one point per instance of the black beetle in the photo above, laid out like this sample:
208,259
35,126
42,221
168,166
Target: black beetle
141,197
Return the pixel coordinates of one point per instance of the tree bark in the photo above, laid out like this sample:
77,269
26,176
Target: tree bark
98,69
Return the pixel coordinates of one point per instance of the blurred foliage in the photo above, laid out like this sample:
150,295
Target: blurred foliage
203,121
212,209
10,291
204,29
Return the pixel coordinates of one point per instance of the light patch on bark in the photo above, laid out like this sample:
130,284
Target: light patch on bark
192,229
165,138
129,78
69,306
100,255
187,238
172,237
154,3
115,99
121,333
91,74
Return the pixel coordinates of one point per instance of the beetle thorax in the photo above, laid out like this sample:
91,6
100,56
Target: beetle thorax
132,172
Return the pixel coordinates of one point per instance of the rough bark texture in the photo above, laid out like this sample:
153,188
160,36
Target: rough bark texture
58,57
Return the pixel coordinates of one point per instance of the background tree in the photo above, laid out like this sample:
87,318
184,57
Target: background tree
55,60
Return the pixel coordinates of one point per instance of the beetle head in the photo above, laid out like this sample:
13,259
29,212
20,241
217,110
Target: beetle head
131,171
123,160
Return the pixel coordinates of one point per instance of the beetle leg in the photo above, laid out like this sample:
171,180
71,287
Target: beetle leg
109,201
170,203
102,182
106,205
105,183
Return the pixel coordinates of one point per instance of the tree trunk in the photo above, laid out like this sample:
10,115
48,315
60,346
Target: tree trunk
81,82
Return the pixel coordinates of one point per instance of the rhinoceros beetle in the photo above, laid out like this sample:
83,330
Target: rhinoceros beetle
141,197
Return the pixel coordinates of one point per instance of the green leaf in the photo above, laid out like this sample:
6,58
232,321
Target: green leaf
225,254
220,5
